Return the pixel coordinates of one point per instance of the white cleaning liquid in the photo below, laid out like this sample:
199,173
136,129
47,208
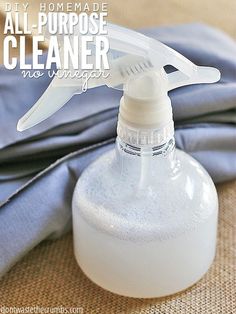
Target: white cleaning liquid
148,238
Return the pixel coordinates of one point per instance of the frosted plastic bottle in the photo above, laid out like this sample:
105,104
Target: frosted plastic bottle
145,215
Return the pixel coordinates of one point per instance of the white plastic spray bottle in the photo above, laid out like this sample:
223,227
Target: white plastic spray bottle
144,213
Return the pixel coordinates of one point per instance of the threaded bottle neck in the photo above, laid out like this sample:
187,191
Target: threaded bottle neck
144,150
152,137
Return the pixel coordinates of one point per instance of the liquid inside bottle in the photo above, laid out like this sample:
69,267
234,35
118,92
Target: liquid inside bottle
144,220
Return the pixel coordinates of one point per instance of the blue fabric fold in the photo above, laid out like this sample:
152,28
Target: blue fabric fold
39,167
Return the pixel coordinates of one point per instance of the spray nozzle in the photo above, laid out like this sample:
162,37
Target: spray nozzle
131,55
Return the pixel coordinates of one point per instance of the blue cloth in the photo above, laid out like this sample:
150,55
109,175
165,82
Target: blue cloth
39,167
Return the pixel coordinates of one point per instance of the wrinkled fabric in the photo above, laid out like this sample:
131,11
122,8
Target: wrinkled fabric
39,167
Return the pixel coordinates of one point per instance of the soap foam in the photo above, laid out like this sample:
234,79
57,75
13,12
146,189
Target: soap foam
113,202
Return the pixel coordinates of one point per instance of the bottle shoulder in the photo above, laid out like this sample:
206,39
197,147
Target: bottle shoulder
106,173
168,203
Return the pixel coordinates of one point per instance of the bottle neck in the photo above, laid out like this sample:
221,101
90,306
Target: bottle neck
145,146
146,164
165,150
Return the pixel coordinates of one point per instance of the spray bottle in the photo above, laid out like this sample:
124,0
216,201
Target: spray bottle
144,213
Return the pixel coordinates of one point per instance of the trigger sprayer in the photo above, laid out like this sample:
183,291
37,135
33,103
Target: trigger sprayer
144,213
131,54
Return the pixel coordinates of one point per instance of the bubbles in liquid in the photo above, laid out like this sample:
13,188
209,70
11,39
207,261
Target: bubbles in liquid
148,242
113,202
